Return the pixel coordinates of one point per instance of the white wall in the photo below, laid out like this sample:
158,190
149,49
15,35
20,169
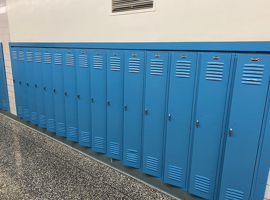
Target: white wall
173,20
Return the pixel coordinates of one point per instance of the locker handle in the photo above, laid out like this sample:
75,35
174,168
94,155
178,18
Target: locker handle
44,88
108,102
78,96
35,85
65,93
145,111
169,117
27,84
197,123
125,107
230,135
92,99
54,90
20,82
14,80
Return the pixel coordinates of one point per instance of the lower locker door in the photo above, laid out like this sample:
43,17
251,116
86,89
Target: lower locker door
245,125
181,89
211,100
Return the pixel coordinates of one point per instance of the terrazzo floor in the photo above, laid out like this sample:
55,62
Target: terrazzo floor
33,166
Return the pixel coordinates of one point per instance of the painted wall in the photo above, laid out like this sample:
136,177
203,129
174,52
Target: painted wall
172,20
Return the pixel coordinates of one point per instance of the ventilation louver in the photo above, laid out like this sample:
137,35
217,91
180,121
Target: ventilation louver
127,5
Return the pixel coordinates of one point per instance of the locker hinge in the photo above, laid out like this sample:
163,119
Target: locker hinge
259,143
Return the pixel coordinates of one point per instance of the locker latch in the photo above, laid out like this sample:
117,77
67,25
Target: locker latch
20,82
108,102
145,111
197,123
36,85
230,135
44,88
27,84
78,96
125,107
65,93
54,90
169,117
14,80
92,99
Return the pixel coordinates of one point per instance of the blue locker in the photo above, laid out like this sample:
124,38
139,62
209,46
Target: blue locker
58,90
181,90
211,102
245,125
115,102
30,83
23,88
98,99
155,100
39,88
48,89
133,106
70,87
84,97
16,81
4,104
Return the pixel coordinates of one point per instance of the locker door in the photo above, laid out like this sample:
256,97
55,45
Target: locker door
181,90
58,90
48,91
115,103
4,94
246,116
155,99
31,86
39,88
84,98
24,91
70,87
98,99
16,80
211,100
133,106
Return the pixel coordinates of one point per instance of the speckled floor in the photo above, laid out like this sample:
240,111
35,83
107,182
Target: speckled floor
33,166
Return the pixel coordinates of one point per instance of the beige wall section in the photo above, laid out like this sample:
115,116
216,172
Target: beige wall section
172,21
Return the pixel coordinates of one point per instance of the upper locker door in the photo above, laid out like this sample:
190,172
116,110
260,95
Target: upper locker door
133,108
181,89
3,85
84,97
155,99
16,80
58,90
115,103
211,102
31,85
23,81
245,125
70,87
48,89
98,99
39,88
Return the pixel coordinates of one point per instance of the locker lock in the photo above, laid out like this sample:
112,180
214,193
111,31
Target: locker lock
92,99
14,80
125,107
44,88
78,96
20,82
145,111
230,135
54,90
197,123
27,84
36,85
169,117
65,93
108,102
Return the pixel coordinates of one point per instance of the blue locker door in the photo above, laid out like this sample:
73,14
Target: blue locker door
39,88
70,87
24,91
48,91
133,106
246,116
31,86
84,98
16,80
211,100
98,99
181,90
115,103
3,85
58,90
155,99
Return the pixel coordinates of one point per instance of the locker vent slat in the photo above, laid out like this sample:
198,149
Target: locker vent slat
252,74
47,58
70,60
182,69
134,65
156,67
42,119
115,64
152,163
21,55
202,184
132,155
234,194
14,55
58,59
115,148
29,56
98,62
214,71
38,57
175,173
83,61
20,110
126,5
62,128
5,105
51,123
85,136
26,113
99,142
72,131
34,116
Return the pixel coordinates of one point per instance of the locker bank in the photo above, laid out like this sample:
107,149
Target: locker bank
185,104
